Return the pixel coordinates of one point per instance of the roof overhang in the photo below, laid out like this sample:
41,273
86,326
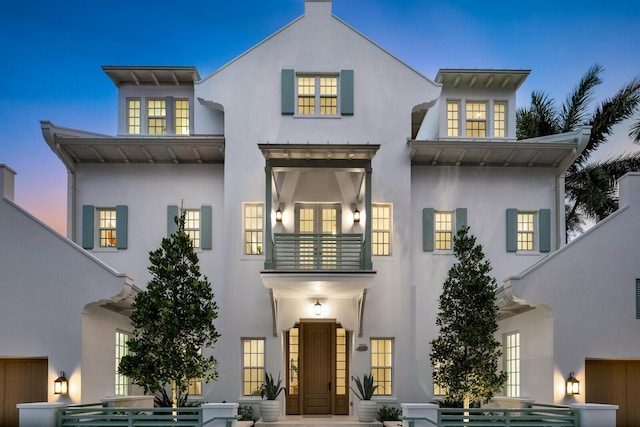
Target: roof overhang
317,284
152,76
461,78
277,152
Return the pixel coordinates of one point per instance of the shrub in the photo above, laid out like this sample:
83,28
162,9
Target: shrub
388,413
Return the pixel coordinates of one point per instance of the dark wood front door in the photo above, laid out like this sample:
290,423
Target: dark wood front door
615,382
21,381
319,366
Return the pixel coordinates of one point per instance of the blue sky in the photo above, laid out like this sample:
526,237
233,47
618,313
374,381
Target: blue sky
52,52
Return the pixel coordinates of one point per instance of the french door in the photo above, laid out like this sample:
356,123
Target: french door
313,221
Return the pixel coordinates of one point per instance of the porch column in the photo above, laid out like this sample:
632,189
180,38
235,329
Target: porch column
367,265
268,247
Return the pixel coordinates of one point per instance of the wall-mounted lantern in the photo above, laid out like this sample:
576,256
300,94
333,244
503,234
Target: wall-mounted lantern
61,384
317,308
573,385
356,216
279,215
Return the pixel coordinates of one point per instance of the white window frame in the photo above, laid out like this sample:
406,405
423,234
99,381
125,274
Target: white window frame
451,230
101,225
179,127
467,120
453,123
193,226
377,230
150,117
253,363
134,121
494,119
122,382
512,363
521,232
385,365
252,246
317,95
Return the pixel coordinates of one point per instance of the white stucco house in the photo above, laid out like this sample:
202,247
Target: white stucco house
323,180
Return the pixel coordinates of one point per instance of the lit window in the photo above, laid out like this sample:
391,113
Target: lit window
122,382
512,364
182,116
443,231
317,95
381,229
294,362
476,119
157,116
499,119
252,366
341,361
382,365
253,220
195,388
453,118
192,226
107,228
133,116
526,224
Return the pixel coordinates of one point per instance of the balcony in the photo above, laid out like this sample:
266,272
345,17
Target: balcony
332,252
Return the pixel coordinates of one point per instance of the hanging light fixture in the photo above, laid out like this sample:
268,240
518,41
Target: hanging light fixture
356,216
61,384
573,385
317,308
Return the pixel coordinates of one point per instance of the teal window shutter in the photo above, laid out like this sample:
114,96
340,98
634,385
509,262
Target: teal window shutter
461,218
427,230
288,92
122,213
637,298
512,230
346,93
205,227
172,213
544,224
87,226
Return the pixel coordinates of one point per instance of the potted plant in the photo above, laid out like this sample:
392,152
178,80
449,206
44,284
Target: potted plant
270,389
364,390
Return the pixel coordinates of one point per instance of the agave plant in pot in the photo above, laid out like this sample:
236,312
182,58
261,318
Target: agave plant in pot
270,389
364,390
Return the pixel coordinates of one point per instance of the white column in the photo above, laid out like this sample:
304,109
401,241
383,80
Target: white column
595,415
419,411
221,412
40,414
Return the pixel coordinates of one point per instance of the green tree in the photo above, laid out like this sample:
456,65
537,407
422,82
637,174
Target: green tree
465,354
172,321
590,187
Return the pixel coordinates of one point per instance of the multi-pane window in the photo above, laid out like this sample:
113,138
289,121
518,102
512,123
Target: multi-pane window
453,118
192,226
156,116
122,382
443,227
294,360
512,363
252,366
499,119
107,228
526,224
317,95
341,361
476,119
133,116
253,220
181,108
381,229
382,365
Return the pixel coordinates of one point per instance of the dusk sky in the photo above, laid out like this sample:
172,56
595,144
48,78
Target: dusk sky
52,53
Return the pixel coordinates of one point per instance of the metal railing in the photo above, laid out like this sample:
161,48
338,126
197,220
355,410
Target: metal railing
318,251
496,417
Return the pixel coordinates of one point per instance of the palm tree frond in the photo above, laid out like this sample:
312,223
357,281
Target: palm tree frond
634,132
540,119
574,110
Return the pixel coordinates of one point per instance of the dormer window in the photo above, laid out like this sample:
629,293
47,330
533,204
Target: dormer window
157,116
133,116
476,119
499,119
160,116
182,116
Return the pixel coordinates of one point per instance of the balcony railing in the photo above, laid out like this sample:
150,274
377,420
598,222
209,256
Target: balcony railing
318,251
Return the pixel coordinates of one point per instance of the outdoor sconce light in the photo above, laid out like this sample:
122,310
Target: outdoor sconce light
278,215
356,216
573,385
61,384
317,308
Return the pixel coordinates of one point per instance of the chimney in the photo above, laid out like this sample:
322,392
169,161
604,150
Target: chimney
317,7
7,176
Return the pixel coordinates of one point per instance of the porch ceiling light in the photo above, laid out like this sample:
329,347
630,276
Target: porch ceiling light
573,385
61,384
317,308
356,216
278,215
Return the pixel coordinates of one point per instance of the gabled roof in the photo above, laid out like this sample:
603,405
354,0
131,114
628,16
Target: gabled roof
152,75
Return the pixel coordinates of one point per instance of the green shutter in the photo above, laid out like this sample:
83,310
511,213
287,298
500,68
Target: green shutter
205,227
288,92
544,224
427,230
87,226
461,218
637,298
172,214
346,92
122,213
512,230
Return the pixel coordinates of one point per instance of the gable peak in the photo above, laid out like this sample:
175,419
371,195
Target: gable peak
317,7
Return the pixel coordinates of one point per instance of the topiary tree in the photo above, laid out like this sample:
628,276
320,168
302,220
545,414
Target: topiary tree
173,322
465,354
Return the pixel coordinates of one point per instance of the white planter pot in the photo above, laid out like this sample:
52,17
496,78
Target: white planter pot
367,410
269,410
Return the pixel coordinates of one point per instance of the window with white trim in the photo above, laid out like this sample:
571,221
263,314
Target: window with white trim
107,227
133,116
252,366
317,95
192,226
526,231
181,116
476,119
453,118
122,382
499,119
443,229
156,116
512,363
382,365
381,226
253,225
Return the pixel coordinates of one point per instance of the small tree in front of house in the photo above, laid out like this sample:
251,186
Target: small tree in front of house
465,354
172,321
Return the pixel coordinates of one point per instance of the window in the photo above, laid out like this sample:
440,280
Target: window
528,231
439,228
253,223
342,380
499,119
294,362
157,116
317,95
198,224
382,365
252,366
444,231
453,118
122,382
526,226
476,119
181,107
381,221
512,364
133,116
107,228
192,226
437,389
